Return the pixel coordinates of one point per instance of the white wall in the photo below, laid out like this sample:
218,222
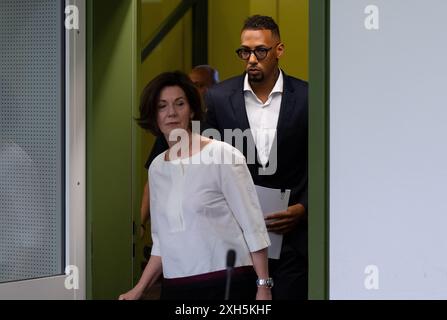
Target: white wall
388,153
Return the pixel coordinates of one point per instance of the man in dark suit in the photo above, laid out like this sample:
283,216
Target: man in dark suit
273,107
266,100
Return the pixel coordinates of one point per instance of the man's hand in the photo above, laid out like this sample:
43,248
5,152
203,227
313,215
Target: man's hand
284,222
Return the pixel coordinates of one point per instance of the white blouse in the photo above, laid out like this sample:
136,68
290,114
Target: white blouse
201,207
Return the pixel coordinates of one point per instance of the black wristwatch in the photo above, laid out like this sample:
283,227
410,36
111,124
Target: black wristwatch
268,283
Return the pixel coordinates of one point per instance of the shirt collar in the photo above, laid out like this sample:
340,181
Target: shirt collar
277,88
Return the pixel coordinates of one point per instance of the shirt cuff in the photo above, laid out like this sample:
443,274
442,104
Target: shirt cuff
155,246
257,241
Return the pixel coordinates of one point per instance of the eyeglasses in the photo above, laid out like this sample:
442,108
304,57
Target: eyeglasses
260,53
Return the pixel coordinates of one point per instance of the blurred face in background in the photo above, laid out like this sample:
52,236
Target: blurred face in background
202,79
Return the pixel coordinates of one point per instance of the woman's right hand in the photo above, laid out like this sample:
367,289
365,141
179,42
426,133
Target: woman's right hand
135,294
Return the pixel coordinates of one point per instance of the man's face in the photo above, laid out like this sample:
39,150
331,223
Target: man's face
258,70
202,80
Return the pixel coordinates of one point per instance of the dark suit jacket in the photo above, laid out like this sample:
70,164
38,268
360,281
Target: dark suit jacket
226,110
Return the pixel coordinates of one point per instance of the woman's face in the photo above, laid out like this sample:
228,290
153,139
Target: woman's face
174,111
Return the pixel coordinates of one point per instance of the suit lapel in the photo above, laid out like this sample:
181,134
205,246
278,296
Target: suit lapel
286,110
238,104
287,104
285,114
237,101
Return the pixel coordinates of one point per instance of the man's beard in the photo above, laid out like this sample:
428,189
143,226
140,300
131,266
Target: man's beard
256,78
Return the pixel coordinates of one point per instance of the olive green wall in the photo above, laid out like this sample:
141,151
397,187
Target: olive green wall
226,18
112,90
173,53
225,21
319,151
293,20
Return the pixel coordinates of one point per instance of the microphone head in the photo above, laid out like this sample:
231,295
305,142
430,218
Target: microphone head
231,258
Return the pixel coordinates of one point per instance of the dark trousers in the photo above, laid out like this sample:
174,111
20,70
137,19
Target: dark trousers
290,272
211,286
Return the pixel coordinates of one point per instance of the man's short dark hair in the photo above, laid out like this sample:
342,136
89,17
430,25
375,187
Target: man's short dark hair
151,96
258,22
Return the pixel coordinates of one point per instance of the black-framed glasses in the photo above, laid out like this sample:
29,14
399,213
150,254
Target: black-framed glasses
260,53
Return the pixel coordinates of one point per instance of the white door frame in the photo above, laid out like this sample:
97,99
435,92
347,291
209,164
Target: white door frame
73,285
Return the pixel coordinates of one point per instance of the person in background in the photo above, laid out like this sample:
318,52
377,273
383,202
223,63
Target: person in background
192,230
203,77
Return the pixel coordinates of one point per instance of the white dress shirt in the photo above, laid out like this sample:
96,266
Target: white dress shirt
200,211
263,117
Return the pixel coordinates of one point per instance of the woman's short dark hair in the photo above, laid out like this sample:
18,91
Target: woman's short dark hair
151,96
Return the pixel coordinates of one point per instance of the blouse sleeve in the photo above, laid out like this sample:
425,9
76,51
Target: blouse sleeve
155,244
154,234
154,226
240,193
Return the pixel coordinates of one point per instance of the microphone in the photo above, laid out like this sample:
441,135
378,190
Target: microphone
231,259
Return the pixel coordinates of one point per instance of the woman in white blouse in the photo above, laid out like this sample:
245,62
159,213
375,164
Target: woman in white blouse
202,203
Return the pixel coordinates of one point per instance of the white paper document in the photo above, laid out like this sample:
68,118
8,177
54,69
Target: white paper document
272,201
